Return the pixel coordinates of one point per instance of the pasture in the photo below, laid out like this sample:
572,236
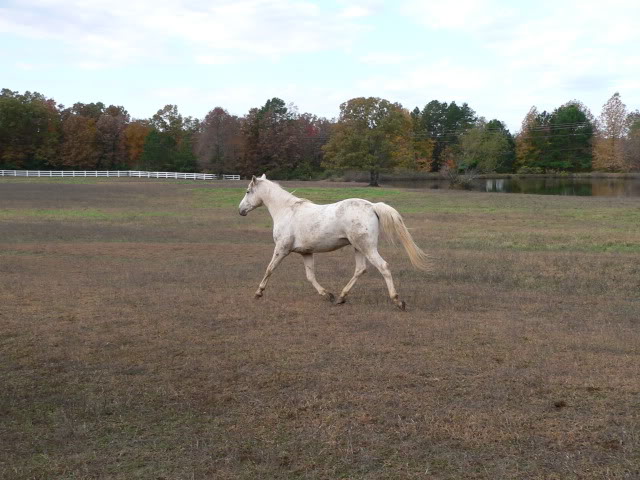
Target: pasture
131,345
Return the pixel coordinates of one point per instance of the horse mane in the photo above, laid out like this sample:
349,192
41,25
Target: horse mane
298,199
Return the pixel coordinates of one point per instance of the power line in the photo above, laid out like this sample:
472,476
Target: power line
536,129
537,136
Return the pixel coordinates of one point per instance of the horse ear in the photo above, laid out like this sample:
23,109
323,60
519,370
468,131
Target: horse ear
253,179
263,177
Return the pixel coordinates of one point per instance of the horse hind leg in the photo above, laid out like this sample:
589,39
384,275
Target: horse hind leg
383,267
310,270
361,268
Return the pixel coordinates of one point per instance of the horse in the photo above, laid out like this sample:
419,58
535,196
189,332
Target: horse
304,227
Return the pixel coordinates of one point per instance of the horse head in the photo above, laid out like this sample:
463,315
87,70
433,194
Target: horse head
252,198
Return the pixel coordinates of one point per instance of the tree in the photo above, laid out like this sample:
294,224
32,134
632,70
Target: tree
423,146
168,120
529,143
30,130
219,145
561,140
182,159
272,139
94,136
443,124
89,110
80,145
157,151
487,147
570,136
371,134
169,145
507,162
314,133
632,143
608,149
110,127
135,135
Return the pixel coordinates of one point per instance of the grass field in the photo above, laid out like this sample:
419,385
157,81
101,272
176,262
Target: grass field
131,345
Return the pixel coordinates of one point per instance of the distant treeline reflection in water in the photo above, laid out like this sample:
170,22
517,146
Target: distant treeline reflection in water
582,186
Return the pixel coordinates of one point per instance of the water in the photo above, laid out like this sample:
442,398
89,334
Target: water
609,187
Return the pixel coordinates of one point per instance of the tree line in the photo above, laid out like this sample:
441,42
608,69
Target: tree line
370,134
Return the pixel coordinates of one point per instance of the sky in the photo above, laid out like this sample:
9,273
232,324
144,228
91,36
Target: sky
497,56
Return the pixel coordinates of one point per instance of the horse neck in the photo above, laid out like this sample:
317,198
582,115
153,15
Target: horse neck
276,199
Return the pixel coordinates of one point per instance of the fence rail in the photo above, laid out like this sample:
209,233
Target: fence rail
116,173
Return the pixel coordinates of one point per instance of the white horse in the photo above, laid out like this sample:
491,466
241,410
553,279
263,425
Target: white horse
303,227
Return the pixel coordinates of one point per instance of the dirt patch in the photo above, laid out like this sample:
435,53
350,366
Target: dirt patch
132,347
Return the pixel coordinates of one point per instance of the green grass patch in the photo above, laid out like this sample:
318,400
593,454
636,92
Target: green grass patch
404,200
227,197
56,214
615,215
101,180
81,214
57,180
545,242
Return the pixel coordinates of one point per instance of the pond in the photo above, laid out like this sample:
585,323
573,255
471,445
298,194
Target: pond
583,186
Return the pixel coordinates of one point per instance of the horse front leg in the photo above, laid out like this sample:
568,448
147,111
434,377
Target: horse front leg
278,255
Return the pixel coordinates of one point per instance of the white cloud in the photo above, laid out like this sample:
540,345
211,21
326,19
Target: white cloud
500,57
543,54
355,11
214,59
469,15
442,79
388,58
119,31
239,99
26,66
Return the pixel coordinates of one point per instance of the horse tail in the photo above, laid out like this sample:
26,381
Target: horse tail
393,227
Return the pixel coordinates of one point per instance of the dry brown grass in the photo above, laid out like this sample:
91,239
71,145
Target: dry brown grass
131,345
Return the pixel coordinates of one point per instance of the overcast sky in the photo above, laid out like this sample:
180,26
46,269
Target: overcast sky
499,58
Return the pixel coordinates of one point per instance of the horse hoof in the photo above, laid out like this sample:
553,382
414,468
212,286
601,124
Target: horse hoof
257,296
340,301
401,305
331,297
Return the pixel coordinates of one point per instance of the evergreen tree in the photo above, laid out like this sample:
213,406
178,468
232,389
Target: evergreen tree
632,142
443,124
571,132
157,152
182,158
560,140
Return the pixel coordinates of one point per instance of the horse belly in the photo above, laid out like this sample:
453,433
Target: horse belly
321,234
320,245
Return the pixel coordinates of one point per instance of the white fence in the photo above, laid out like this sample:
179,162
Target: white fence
116,173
